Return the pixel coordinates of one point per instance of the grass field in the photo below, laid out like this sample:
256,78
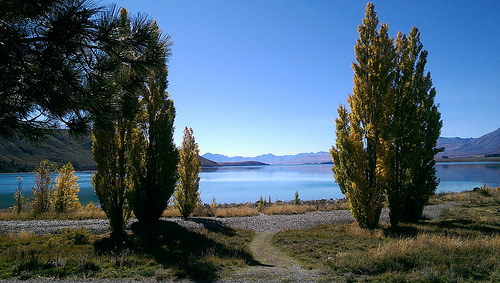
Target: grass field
463,246
160,251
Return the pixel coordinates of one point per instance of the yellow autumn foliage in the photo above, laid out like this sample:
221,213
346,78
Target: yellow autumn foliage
65,191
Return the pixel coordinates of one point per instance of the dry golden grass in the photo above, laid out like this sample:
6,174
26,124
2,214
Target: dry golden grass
213,210
481,196
82,213
171,212
235,212
289,208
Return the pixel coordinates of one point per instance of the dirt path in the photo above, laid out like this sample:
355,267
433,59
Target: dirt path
274,266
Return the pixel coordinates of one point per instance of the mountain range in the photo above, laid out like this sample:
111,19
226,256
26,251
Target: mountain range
301,158
486,145
21,156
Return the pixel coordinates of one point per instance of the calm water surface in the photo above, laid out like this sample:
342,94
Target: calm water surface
247,184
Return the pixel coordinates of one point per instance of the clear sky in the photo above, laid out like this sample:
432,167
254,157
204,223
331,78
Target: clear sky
266,76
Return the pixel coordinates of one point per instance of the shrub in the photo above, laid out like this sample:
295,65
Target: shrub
296,200
20,199
90,206
77,236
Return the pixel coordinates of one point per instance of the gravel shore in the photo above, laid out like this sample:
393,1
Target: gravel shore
260,223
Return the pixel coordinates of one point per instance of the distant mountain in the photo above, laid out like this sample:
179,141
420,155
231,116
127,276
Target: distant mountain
301,158
488,144
21,156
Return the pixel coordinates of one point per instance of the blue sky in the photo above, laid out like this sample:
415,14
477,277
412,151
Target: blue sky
254,77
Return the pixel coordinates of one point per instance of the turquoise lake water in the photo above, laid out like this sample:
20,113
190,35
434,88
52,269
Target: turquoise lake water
247,184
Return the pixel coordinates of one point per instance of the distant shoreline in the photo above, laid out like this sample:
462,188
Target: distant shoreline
468,159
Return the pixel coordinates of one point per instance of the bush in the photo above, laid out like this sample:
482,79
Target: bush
77,236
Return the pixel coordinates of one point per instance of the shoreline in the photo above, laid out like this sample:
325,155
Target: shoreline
259,223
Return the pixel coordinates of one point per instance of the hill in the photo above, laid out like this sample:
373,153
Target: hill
21,156
242,163
488,144
208,163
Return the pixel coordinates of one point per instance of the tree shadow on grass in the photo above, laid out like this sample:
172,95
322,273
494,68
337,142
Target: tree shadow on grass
214,226
187,252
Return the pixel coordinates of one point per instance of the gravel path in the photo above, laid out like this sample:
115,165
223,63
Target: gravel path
261,223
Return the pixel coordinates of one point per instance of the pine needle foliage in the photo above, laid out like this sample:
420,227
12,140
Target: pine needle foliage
65,191
187,196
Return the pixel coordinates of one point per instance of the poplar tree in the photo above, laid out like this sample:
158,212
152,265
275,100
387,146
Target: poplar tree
362,155
65,191
425,125
416,127
187,196
112,139
154,155
387,143
43,187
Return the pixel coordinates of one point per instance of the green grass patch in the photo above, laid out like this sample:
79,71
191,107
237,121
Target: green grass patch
463,246
162,251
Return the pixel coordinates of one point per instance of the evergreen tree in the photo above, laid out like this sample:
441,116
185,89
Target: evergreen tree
42,189
65,191
187,197
154,155
49,53
362,155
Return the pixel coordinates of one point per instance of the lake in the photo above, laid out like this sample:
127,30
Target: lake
247,184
